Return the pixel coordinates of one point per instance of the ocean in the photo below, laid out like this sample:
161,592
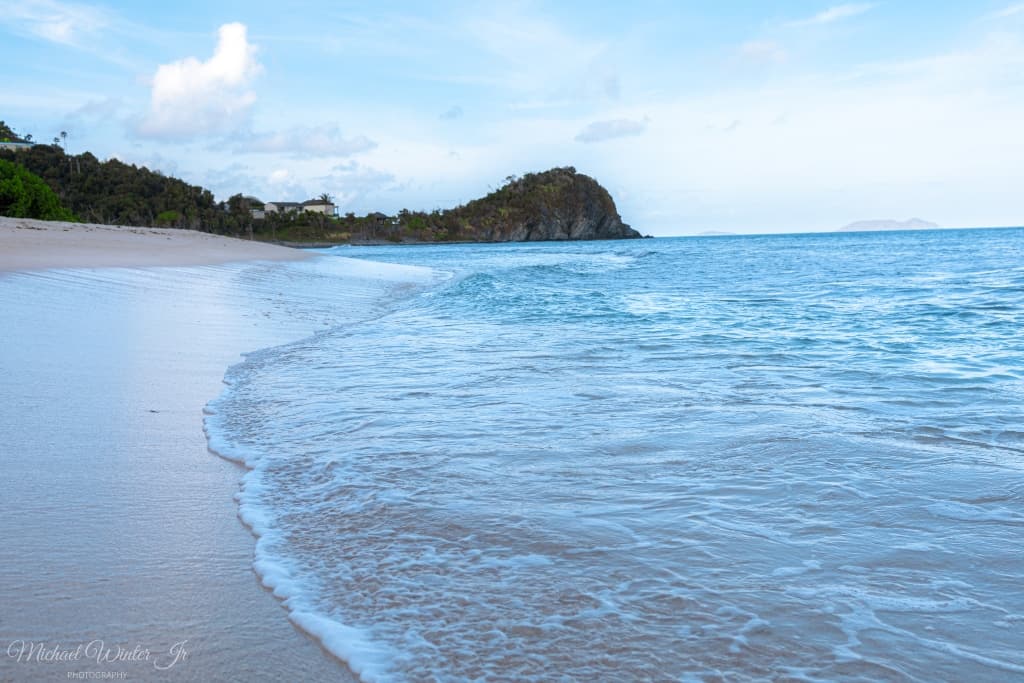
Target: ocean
791,457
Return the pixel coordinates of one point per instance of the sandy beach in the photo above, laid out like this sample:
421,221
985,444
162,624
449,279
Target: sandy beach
122,548
27,244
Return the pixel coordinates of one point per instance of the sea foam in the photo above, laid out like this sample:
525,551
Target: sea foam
757,458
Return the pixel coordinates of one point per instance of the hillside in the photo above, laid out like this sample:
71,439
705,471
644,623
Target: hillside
559,204
8,135
116,193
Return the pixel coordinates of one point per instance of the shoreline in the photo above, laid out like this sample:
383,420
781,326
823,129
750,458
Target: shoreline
122,524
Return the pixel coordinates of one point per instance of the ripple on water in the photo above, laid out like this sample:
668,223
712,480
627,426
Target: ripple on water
747,459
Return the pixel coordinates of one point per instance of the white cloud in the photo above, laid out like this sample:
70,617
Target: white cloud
353,184
1011,11
599,131
63,23
191,98
762,51
235,178
280,176
283,185
303,142
837,13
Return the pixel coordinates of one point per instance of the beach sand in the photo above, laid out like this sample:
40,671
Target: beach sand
118,524
27,244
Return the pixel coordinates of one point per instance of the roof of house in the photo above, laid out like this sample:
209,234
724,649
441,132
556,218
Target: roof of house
285,204
317,202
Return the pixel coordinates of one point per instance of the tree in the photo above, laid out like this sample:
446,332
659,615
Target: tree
6,134
25,195
326,198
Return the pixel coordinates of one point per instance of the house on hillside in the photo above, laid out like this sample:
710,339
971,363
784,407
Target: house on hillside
15,144
326,208
319,206
257,209
281,207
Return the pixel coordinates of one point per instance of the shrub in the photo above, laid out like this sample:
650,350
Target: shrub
25,195
168,218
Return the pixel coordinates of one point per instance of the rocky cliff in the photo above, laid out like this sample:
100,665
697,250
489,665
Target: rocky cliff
559,204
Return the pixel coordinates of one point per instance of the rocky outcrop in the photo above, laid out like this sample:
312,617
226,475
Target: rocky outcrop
559,204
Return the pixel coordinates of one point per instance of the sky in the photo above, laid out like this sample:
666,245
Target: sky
736,116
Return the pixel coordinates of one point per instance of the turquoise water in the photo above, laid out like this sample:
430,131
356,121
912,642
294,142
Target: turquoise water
791,457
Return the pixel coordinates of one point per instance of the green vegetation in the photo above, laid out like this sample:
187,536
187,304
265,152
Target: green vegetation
8,135
537,206
121,194
116,193
25,195
556,204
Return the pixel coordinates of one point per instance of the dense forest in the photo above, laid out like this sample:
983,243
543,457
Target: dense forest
121,194
559,204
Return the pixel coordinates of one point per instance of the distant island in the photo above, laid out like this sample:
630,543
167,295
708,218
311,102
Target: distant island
866,226
555,205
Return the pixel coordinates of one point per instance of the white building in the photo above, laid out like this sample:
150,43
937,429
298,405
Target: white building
281,207
319,206
326,208
8,144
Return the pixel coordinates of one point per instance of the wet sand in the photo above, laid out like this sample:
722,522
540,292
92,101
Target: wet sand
119,528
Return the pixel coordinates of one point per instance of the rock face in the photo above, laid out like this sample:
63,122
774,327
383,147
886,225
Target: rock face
559,204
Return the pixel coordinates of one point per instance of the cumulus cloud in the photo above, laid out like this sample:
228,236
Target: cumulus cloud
837,13
302,142
599,131
191,98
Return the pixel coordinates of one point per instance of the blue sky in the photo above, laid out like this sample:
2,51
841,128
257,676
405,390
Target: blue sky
698,116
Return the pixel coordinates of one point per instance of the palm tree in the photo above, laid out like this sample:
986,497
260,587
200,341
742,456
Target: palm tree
326,198
76,164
